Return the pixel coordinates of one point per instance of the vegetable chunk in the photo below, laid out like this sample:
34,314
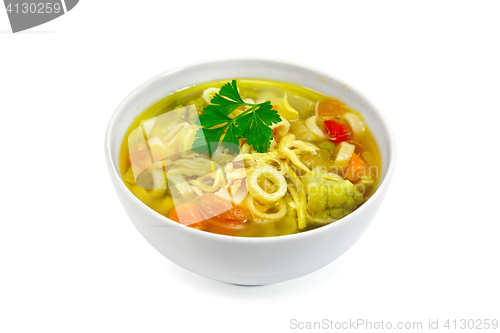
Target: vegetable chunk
357,168
335,201
344,154
336,131
356,124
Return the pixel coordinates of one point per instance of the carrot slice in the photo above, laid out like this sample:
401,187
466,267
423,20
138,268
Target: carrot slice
223,216
331,108
212,205
357,168
188,214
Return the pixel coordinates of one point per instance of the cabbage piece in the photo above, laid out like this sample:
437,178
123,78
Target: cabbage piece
180,188
304,106
356,124
190,112
186,136
163,124
148,125
285,109
282,127
312,124
158,179
209,93
268,94
301,131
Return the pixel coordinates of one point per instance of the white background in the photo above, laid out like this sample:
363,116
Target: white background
71,261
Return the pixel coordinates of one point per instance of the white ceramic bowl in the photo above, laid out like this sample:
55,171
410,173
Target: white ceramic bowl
241,260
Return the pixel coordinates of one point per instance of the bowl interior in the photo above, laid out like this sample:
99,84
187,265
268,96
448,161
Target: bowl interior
168,82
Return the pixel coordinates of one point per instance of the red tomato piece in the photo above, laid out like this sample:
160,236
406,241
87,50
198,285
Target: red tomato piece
337,132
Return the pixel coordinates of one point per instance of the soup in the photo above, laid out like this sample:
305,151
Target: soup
250,158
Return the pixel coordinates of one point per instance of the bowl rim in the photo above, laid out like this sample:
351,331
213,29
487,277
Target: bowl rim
382,186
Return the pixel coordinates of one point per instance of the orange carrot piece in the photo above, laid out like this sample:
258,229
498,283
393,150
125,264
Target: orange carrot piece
187,214
357,168
331,108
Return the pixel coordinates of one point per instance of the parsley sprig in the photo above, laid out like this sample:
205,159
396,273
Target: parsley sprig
218,128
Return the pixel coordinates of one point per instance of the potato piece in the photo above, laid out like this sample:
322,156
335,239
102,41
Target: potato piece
356,124
344,154
312,125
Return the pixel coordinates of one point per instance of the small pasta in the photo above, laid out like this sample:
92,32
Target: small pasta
260,214
278,181
299,198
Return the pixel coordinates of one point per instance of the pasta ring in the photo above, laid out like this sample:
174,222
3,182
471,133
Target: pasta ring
250,204
275,177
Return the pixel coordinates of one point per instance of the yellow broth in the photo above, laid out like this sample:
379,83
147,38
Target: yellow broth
320,162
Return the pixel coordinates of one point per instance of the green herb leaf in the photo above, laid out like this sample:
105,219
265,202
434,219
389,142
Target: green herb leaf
213,117
230,91
252,125
207,140
228,99
230,139
256,126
